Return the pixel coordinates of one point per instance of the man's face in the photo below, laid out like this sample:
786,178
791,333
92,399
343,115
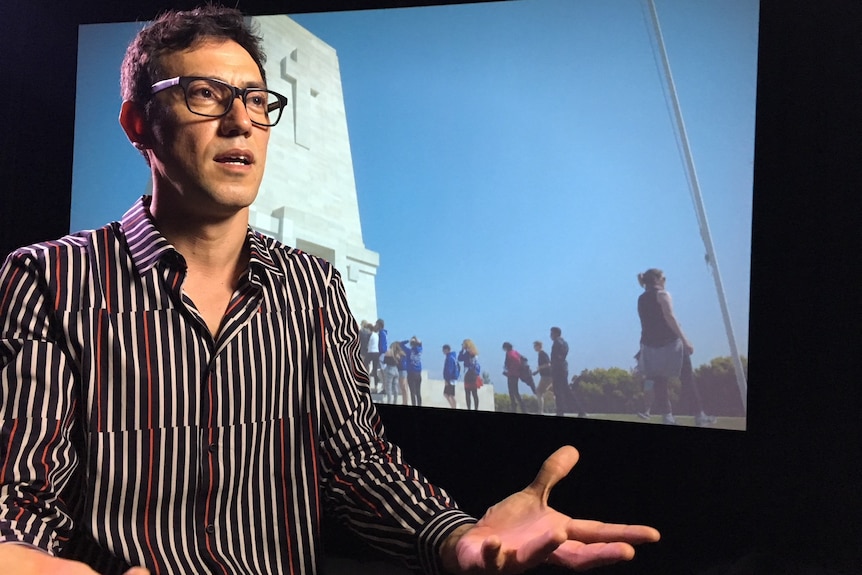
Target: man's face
211,167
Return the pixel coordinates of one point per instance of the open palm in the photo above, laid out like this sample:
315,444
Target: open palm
522,531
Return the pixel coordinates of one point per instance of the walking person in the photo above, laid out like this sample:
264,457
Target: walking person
469,356
663,343
566,400
512,371
543,370
451,373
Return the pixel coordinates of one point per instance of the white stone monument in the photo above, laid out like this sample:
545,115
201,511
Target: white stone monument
308,197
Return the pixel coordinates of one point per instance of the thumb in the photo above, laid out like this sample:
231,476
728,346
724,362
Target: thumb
555,467
137,571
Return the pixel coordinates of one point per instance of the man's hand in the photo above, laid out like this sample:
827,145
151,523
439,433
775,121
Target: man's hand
23,560
521,532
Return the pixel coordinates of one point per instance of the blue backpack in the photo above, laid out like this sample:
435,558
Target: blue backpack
456,370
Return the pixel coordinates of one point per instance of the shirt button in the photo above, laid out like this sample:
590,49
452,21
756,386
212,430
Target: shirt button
213,447
210,528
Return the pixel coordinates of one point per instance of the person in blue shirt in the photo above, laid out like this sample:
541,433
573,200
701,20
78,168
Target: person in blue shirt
382,335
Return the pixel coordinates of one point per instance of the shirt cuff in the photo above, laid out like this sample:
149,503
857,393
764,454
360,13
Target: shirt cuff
433,535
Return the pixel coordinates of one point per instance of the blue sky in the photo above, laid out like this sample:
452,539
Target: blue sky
516,165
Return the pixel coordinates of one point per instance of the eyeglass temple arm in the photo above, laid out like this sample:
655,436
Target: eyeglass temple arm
165,84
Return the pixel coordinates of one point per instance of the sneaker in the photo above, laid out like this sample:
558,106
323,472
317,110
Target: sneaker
704,420
668,419
643,415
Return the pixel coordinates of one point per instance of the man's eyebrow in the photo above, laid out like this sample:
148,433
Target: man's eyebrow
247,84
253,84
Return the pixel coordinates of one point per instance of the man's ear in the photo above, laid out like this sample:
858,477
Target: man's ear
135,125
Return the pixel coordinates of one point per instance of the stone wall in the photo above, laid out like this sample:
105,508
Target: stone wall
308,198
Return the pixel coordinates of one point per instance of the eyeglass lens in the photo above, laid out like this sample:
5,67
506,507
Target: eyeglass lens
211,98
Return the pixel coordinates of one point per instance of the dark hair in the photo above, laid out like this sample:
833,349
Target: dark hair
507,346
447,348
174,31
556,330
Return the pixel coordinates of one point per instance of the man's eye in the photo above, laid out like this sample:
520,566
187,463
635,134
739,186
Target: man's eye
202,93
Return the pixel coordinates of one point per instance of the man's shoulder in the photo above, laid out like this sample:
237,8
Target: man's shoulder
64,247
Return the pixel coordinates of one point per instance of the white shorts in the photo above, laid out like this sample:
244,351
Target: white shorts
664,361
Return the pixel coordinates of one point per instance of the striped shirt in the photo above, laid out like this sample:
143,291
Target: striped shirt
129,435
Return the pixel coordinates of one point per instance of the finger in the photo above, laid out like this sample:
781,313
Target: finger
598,532
580,557
537,550
553,469
137,571
491,556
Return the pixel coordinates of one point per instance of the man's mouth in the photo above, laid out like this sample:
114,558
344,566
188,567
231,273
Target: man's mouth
236,158
241,160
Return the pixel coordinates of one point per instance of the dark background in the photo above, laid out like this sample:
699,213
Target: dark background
782,497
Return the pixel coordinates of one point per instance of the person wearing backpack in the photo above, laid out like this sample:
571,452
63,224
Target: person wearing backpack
512,370
451,373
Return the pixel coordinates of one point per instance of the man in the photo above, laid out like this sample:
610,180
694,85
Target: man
182,394
372,356
364,336
566,401
450,375
543,370
512,368
383,337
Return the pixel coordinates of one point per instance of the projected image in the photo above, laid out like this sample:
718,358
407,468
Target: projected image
481,173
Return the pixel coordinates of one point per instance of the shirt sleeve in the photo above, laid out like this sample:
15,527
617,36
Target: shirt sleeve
365,479
37,458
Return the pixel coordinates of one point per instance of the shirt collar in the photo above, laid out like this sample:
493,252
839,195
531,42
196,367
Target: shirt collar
147,245
259,253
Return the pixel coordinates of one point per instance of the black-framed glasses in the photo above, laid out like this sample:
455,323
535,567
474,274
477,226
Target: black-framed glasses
213,98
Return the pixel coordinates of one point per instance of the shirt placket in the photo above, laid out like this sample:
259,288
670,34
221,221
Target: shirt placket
215,416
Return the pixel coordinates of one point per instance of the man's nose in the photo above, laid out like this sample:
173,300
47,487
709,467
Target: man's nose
237,120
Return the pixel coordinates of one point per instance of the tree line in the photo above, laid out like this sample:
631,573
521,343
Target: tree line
617,390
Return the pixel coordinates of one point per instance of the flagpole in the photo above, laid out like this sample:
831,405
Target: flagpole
700,211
